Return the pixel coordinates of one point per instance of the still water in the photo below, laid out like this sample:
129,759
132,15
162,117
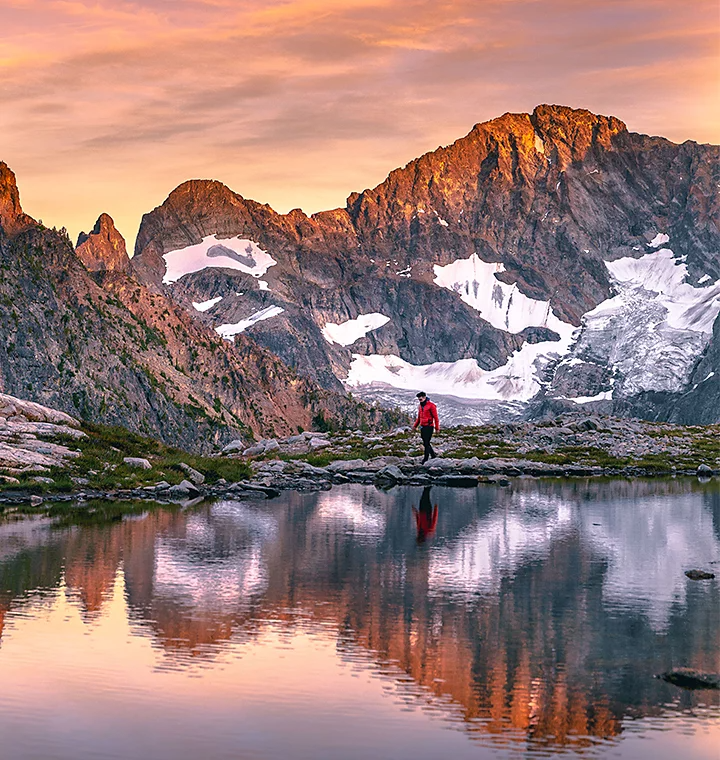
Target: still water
493,622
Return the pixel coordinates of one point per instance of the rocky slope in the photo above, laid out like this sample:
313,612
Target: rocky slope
101,346
552,256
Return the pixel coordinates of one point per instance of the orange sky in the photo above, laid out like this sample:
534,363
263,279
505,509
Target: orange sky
108,105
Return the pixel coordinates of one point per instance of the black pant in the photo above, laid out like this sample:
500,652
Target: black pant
426,432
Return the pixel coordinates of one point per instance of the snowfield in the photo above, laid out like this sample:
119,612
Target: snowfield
206,305
502,305
517,380
228,331
213,252
651,331
346,333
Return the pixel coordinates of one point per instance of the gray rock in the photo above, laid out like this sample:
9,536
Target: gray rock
590,423
41,479
163,485
392,473
318,443
346,465
703,469
271,445
234,446
195,477
139,463
36,501
254,450
184,489
80,481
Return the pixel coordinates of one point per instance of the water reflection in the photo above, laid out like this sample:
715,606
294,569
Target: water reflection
533,617
426,516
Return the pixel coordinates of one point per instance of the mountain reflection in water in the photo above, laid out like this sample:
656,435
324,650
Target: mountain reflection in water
532,617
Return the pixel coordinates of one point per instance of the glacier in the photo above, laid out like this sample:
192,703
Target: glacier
232,253
653,329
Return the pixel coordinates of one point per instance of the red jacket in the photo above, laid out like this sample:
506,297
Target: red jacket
427,415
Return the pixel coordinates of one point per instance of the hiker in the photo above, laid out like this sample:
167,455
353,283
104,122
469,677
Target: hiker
426,516
428,421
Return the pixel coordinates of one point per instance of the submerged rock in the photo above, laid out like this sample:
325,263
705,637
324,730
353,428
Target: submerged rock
688,678
699,575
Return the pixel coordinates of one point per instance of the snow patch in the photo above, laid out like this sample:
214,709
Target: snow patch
346,333
539,144
659,239
501,304
443,222
517,380
602,396
230,330
704,278
232,253
262,284
206,305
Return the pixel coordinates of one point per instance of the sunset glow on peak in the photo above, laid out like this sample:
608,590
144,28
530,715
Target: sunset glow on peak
107,106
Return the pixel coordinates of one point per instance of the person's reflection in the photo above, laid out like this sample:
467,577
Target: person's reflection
426,516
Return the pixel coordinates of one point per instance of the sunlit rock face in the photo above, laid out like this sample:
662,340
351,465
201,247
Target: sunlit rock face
103,249
501,266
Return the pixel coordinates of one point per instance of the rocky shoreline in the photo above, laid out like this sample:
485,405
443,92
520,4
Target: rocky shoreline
272,477
49,457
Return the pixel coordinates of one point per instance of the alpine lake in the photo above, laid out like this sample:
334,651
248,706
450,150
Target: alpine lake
494,622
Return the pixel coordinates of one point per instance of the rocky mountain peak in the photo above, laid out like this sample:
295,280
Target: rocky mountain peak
12,218
103,249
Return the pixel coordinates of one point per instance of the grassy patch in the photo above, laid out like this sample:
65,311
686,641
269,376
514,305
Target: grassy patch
101,462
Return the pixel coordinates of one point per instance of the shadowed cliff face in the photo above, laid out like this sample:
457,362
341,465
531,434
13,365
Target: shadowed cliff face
112,351
550,196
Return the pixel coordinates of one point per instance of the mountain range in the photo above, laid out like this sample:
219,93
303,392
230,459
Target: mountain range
541,262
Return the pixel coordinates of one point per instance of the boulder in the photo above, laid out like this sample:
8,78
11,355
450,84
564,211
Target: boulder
138,463
36,501
254,450
392,473
346,465
195,477
41,479
234,446
704,470
185,489
318,443
589,423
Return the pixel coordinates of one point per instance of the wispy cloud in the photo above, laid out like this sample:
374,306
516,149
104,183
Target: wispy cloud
108,104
